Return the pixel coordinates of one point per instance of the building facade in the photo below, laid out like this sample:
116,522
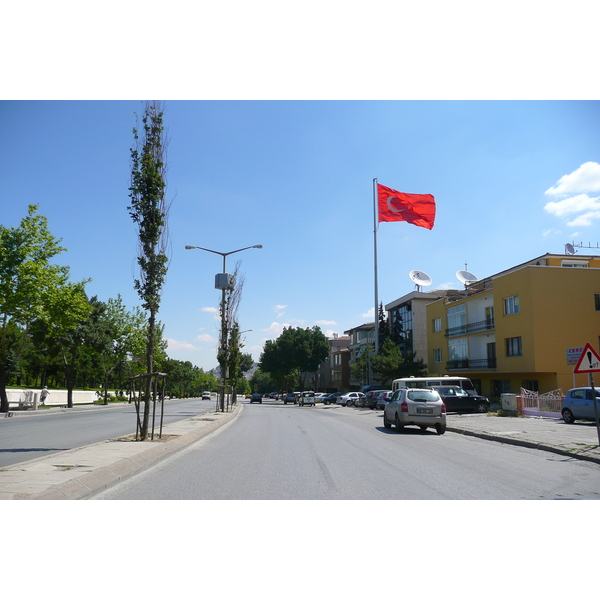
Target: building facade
407,317
512,329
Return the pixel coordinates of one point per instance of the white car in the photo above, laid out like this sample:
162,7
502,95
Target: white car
206,396
349,398
306,399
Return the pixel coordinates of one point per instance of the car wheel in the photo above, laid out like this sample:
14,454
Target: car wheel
399,426
568,416
441,429
387,424
482,407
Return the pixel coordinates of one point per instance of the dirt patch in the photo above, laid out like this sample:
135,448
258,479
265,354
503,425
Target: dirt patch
131,438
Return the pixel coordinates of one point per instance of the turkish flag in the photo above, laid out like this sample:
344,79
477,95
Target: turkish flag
417,209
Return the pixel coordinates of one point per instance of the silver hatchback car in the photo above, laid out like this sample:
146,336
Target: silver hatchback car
409,406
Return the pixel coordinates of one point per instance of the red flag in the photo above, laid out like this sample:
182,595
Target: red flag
418,209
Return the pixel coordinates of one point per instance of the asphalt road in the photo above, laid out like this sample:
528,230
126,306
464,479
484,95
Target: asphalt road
25,437
277,452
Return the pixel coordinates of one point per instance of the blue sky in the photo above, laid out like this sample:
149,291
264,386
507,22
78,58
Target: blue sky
297,177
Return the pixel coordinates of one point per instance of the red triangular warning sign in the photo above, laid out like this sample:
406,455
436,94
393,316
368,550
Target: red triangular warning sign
589,361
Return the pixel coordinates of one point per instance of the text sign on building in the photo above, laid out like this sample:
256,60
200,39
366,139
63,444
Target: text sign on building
574,354
589,361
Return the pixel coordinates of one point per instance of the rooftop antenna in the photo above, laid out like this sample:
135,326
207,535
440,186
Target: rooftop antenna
569,249
420,279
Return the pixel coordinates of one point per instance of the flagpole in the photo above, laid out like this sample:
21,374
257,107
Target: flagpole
375,257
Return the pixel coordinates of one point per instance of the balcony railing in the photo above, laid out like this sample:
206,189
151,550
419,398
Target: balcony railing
476,327
471,365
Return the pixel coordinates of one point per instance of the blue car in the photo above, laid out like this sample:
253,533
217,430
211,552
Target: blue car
578,404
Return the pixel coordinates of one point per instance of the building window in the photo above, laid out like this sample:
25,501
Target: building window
458,353
457,320
577,264
437,323
533,385
514,347
511,305
437,355
597,301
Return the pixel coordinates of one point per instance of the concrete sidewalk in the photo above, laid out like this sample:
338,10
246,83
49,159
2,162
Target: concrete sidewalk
579,440
81,473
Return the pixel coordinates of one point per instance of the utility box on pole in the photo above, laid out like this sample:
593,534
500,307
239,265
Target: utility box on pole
223,281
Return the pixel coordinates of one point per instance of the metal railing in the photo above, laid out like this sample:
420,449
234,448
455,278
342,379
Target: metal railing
466,329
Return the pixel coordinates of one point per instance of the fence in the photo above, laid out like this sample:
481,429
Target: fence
545,405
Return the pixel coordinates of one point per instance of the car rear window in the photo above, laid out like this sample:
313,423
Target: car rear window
422,395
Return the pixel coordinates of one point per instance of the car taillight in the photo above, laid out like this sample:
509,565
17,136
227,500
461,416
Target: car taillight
404,406
443,408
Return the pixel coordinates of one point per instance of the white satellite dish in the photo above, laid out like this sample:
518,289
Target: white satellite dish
421,279
569,249
466,277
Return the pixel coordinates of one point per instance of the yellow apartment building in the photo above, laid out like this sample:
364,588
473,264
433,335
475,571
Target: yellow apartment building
513,329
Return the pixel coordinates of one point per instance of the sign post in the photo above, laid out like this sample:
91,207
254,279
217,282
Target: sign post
589,362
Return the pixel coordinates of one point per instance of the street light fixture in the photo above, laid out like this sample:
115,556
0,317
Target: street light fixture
222,282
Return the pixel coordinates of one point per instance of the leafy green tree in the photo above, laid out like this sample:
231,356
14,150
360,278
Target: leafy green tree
32,287
294,353
361,368
149,211
392,364
262,382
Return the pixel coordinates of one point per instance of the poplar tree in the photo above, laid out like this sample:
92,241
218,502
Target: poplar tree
149,211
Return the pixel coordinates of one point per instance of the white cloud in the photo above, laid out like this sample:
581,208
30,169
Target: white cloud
205,337
574,204
581,182
279,309
548,232
212,310
584,179
370,314
325,322
177,345
276,328
585,220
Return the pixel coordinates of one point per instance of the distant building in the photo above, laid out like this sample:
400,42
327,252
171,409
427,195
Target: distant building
407,317
333,374
512,329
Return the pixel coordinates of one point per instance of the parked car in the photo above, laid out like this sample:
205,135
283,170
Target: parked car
319,396
578,404
291,397
458,400
306,399
409,406
332,398
382,397
206,396
256,398
349,398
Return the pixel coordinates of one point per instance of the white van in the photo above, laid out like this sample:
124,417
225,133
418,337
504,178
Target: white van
426,382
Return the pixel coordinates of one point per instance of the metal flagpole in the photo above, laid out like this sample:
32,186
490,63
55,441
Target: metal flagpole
375,269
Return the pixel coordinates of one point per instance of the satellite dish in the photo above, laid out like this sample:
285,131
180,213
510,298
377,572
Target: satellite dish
569,249
421,279
466,277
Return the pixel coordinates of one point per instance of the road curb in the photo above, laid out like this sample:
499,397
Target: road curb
87,485
524,443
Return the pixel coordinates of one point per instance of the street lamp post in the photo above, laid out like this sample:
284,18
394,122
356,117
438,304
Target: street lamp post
222,284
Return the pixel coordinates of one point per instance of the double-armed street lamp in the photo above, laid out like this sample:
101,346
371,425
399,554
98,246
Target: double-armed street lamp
223,282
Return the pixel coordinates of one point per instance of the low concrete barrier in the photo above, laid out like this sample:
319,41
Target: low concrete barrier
29,398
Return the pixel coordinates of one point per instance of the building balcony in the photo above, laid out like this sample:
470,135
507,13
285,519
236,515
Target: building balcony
477,327
474,364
